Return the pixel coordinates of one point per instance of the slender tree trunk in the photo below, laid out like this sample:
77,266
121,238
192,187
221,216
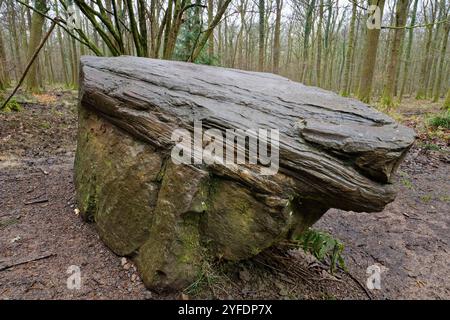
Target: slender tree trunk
276,38
349,54
447,101
435,46
61,49
400,22
261,8
370,57
440,69
307,33
408,50
17,52
33,83
74,62
425,69
211,37
326,43
205,35
319,45
4,79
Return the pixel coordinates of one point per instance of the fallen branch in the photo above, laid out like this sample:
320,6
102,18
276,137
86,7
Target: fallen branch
35,201
358,283
8,265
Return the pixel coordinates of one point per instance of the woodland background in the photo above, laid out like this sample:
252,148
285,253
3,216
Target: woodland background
325,43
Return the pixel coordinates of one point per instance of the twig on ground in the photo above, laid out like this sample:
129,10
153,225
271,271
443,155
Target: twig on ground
359,284
35,201
8,265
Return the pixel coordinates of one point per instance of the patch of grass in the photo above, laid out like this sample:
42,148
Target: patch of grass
405,180
57,112
431,146
445,198
328,296
45,125
441,120
12,105
426,198
407,183
8,222
324,247
206,277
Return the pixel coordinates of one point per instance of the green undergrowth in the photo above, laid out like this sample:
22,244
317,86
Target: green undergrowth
324,247
441,120
12,105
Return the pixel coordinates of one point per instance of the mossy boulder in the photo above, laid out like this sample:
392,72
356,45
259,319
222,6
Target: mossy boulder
171,218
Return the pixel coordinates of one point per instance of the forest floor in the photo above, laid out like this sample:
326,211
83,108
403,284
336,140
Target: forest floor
41,235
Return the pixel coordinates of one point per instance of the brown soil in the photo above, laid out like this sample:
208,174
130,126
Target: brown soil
409,239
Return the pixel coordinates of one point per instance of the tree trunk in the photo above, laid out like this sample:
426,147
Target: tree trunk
307,32
443,9
15,38
33,82
370,57
206,35
319,46
276,38
211,37
61,49
447,101
408,50
4,79
261,31
440,68
425,69
349,54
400,22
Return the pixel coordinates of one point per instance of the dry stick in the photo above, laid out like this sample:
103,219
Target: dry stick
6,266
36,201
358,283
30,63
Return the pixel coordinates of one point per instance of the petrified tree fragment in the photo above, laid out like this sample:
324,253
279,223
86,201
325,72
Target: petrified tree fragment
334,152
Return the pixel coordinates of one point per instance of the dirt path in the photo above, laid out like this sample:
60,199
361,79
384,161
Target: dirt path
409,239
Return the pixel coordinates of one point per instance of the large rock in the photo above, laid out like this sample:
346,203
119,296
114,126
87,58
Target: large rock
334,153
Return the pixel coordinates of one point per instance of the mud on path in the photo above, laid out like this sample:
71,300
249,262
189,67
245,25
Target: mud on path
409,240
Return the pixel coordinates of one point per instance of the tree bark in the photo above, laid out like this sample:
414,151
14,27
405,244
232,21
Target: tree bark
370,58
261,32
400,23
349,54
425,69
319,46
33,83
276,38
408,50
211,37
440,68
4,79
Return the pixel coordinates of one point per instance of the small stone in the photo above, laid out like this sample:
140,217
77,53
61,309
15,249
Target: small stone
184,296
15,239
123,261
244,275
